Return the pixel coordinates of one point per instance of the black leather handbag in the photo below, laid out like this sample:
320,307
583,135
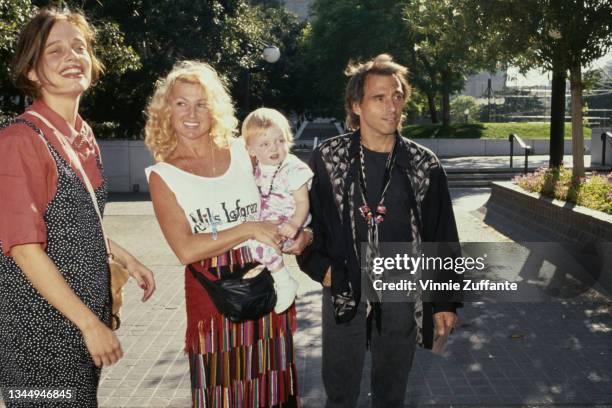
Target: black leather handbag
240,298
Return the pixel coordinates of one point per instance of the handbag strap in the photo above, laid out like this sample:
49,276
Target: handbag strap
201,278
74,158
35,128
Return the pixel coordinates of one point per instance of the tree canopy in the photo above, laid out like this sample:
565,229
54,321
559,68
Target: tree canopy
441,42
140,40
562,36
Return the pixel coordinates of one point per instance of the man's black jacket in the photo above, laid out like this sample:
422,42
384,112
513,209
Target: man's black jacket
335,166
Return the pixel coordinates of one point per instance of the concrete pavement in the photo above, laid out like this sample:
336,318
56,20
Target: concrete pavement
548,354
500,355
475,162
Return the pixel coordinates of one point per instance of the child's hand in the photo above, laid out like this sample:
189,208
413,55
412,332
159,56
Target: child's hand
288,230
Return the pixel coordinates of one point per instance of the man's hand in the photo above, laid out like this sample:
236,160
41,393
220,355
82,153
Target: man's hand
288,230
303,239
327,279
445,322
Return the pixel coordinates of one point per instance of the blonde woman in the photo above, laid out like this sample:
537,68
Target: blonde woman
207,205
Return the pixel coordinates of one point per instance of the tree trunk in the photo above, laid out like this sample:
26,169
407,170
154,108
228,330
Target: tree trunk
577,134
431,94
445,99
433,112
446,108
557,115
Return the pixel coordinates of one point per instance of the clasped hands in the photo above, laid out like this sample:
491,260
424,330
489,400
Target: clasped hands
274,233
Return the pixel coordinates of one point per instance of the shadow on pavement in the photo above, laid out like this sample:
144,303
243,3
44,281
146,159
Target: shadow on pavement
520,354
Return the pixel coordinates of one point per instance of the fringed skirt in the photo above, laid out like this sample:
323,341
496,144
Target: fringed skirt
242,365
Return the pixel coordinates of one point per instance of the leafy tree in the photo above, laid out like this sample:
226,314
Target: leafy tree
448,48
118,58
277,85
515,29
103,104
459,105
560,36
226,34
417,105
343,31
140,40
585,35
222,33
434,39
13,15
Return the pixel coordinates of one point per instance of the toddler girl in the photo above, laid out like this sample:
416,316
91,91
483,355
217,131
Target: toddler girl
283,181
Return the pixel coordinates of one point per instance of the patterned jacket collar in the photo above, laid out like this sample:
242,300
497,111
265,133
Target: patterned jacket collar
403,151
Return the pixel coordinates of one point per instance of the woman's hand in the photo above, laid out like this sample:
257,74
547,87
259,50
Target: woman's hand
143,276
190,247
40,270
267,233
101,343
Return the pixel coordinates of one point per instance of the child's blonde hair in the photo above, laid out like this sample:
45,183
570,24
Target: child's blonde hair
260,120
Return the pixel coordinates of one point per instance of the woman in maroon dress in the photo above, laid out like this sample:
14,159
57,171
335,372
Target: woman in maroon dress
54,278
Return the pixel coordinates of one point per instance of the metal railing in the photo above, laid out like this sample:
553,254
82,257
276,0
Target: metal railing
528,149
605,137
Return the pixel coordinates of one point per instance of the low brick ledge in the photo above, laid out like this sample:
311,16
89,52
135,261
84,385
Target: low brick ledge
558,220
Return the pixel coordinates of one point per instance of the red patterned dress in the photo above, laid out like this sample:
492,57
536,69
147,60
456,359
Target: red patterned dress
248,364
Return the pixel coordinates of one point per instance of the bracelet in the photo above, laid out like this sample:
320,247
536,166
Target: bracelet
311,235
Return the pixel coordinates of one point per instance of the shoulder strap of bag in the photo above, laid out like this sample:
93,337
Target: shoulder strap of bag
201,278
33,127
74,158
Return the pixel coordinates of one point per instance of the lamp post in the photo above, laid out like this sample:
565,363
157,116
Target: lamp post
270,54
467,114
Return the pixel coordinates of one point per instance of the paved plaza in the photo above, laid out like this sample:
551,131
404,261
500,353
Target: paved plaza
476,162
513,354
500,355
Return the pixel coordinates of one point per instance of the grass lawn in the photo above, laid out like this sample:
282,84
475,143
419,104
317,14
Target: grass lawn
487,131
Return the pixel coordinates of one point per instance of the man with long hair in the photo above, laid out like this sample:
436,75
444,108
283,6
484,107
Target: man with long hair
373,186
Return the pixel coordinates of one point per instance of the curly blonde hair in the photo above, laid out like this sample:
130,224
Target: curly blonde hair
260,120
160,137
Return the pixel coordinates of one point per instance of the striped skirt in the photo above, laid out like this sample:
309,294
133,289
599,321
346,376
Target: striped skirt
247,364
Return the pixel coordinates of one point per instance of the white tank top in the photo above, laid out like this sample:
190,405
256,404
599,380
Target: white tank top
226,201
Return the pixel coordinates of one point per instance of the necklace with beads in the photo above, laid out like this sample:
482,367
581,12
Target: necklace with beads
261,193
375,218
372,249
